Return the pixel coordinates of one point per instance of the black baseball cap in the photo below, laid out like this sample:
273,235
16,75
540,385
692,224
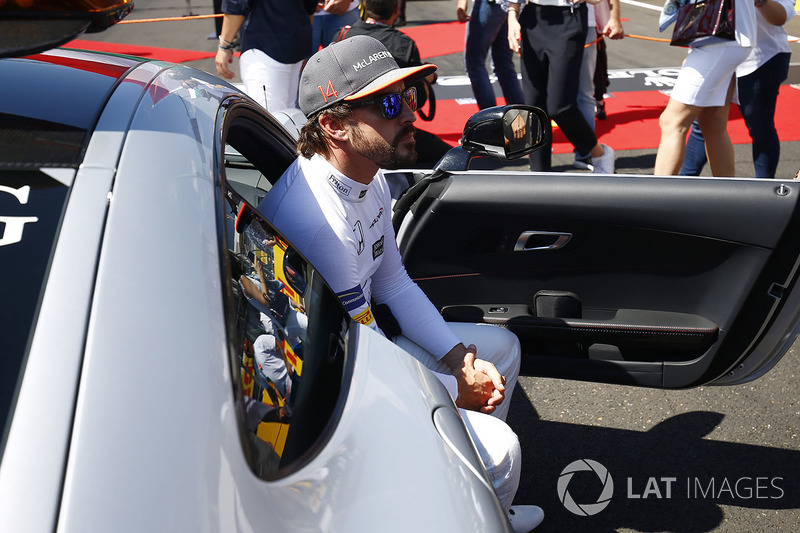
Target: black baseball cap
350,69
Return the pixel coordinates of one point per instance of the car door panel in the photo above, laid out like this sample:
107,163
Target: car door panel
662,268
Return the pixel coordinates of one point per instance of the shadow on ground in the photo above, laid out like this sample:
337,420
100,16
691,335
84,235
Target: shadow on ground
668,478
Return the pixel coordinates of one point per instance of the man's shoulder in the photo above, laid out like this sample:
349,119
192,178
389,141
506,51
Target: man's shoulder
288,205
400,45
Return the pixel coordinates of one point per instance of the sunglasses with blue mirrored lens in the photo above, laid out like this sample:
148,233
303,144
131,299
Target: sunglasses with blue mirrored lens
392,104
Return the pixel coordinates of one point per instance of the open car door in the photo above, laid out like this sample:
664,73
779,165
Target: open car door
668,282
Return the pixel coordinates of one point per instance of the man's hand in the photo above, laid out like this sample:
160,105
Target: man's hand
230,29
480,385
223,59
461,11
514,32
613,29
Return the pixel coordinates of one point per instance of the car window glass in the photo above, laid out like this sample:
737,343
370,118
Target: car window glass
31,206
288,333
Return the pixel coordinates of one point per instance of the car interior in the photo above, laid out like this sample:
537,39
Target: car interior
650,281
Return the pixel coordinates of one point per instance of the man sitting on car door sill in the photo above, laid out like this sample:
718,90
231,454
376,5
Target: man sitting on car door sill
333,203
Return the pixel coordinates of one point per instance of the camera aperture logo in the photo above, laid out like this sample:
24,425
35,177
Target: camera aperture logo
585,509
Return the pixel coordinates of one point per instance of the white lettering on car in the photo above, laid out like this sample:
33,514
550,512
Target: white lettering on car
14,226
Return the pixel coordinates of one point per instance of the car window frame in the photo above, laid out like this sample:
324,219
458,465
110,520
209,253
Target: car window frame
235,112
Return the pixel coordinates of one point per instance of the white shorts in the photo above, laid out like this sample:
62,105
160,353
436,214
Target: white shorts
707,73
272,84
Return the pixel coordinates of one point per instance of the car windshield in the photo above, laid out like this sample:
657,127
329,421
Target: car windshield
31,205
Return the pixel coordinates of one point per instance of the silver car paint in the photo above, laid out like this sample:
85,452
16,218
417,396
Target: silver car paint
47,394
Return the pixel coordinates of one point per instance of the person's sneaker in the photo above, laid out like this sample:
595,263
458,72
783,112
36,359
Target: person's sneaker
600,110
583,163
523,518
605,163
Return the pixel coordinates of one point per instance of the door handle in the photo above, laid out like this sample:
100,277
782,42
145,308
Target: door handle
541,240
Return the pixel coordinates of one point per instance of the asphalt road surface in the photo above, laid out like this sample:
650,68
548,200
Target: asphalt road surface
722,459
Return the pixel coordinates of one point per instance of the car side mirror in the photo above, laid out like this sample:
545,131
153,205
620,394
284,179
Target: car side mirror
503,132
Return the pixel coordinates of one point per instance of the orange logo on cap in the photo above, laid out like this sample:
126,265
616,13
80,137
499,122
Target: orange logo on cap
330,91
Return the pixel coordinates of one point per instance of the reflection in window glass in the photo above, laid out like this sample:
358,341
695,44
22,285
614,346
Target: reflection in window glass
292,334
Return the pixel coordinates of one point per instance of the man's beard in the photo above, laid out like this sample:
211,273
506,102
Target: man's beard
382,153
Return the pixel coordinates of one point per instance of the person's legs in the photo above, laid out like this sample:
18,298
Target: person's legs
503,58
586,102
586,83
674,121
758,94
601,81
694,158
218,20
535,72
495,345
564,45
272,84
703,91
476,46
499,450
713,123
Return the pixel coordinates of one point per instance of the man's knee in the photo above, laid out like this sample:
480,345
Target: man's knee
497,443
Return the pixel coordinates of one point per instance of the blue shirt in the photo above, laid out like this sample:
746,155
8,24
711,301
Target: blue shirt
279,28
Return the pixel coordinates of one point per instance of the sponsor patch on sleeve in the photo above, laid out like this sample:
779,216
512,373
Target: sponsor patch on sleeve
365,318
352,299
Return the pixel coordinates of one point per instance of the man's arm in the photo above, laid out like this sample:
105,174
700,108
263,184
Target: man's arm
230,28
461,11
480,385
514,28
336,7
774,12
613,29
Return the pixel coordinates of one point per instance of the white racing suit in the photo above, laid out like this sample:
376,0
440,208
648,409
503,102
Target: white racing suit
344,228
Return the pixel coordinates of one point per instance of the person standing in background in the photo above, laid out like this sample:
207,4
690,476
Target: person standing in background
603,19
759,79
379,21
487,28
704,90
275,40
551,35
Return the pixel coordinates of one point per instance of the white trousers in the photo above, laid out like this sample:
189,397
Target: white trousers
272,84
499,450
497,444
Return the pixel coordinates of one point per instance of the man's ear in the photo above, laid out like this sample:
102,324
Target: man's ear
334,128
